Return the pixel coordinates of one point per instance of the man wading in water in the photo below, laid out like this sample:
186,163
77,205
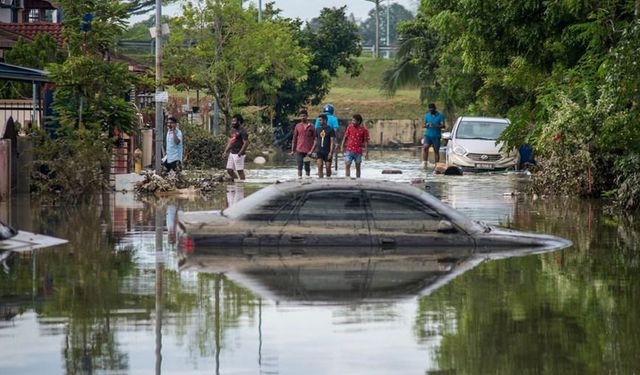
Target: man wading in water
236,148
357,139
324,145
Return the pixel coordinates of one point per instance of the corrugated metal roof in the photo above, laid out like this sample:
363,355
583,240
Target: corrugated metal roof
20,73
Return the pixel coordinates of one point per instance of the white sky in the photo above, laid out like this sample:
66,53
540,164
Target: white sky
308,9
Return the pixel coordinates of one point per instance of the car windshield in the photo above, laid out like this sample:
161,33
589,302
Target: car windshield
251,204
480,130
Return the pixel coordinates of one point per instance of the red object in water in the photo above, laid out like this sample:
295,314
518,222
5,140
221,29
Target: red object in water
186,245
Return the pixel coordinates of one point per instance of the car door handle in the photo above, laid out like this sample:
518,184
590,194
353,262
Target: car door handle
296,238
387,243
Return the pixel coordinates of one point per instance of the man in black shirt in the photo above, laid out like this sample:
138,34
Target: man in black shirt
324,145
236,148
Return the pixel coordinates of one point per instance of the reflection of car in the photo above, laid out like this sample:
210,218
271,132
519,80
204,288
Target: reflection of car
472,144
359,215
335,278
344,278
13,240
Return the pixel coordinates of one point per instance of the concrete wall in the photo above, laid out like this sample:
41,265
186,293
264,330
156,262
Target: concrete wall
389,132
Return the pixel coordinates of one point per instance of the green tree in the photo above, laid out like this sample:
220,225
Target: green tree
145,6
90,88
218,46
89,99
397,14
34,54
333,44
550,67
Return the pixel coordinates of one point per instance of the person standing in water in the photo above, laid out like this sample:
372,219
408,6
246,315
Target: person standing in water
324,146
357,138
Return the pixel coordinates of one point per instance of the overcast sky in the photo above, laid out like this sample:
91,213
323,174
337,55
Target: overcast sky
307,9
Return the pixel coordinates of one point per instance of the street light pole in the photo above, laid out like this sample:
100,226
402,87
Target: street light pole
259,10
388,22
159,114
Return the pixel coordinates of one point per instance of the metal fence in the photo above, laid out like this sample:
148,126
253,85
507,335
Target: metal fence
21,111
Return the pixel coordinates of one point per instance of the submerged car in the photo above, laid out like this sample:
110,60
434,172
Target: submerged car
12,240
472,145
328,216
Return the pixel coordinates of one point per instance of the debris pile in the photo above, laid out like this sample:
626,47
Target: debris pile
154,183
172,182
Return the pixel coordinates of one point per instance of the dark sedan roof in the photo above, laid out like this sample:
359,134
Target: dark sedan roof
302,186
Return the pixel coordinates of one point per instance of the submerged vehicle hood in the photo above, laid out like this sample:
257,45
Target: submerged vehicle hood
27,241
480,146
508,239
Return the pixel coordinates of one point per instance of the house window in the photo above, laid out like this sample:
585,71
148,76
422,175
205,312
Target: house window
32,15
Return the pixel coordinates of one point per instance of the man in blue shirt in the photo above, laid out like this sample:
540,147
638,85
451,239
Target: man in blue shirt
332,120
433,125
174,145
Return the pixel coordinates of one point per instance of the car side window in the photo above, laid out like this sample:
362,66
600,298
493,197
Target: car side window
332,209
395,212
274,208
282,215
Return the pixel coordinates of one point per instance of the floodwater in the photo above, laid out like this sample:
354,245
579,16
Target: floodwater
119,299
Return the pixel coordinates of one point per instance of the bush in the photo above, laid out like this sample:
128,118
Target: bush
70,169
628,180
202,150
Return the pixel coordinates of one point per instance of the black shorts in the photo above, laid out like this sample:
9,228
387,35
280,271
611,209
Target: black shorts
324,157
174,165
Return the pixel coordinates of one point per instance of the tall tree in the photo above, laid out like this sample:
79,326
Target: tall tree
397,14
218,45
145,6
90,87
333,42
377,17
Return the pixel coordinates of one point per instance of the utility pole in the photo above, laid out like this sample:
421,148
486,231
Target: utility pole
259,10
388,22
377,42
159,105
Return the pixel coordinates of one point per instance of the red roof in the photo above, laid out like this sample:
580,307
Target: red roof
29,30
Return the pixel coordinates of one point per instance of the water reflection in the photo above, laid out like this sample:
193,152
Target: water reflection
348,279
110,302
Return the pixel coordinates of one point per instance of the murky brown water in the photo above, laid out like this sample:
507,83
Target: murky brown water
116,300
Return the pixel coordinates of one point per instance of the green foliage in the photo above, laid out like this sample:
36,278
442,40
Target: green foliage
628,180
144,6
37,54
69,169
563,67
220,47
89,103
90,89
90,95
397,14
109,21
202,150
333,45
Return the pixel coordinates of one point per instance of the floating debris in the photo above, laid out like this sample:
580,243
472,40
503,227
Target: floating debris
178,182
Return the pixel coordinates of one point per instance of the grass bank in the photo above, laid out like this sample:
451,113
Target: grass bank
362,95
